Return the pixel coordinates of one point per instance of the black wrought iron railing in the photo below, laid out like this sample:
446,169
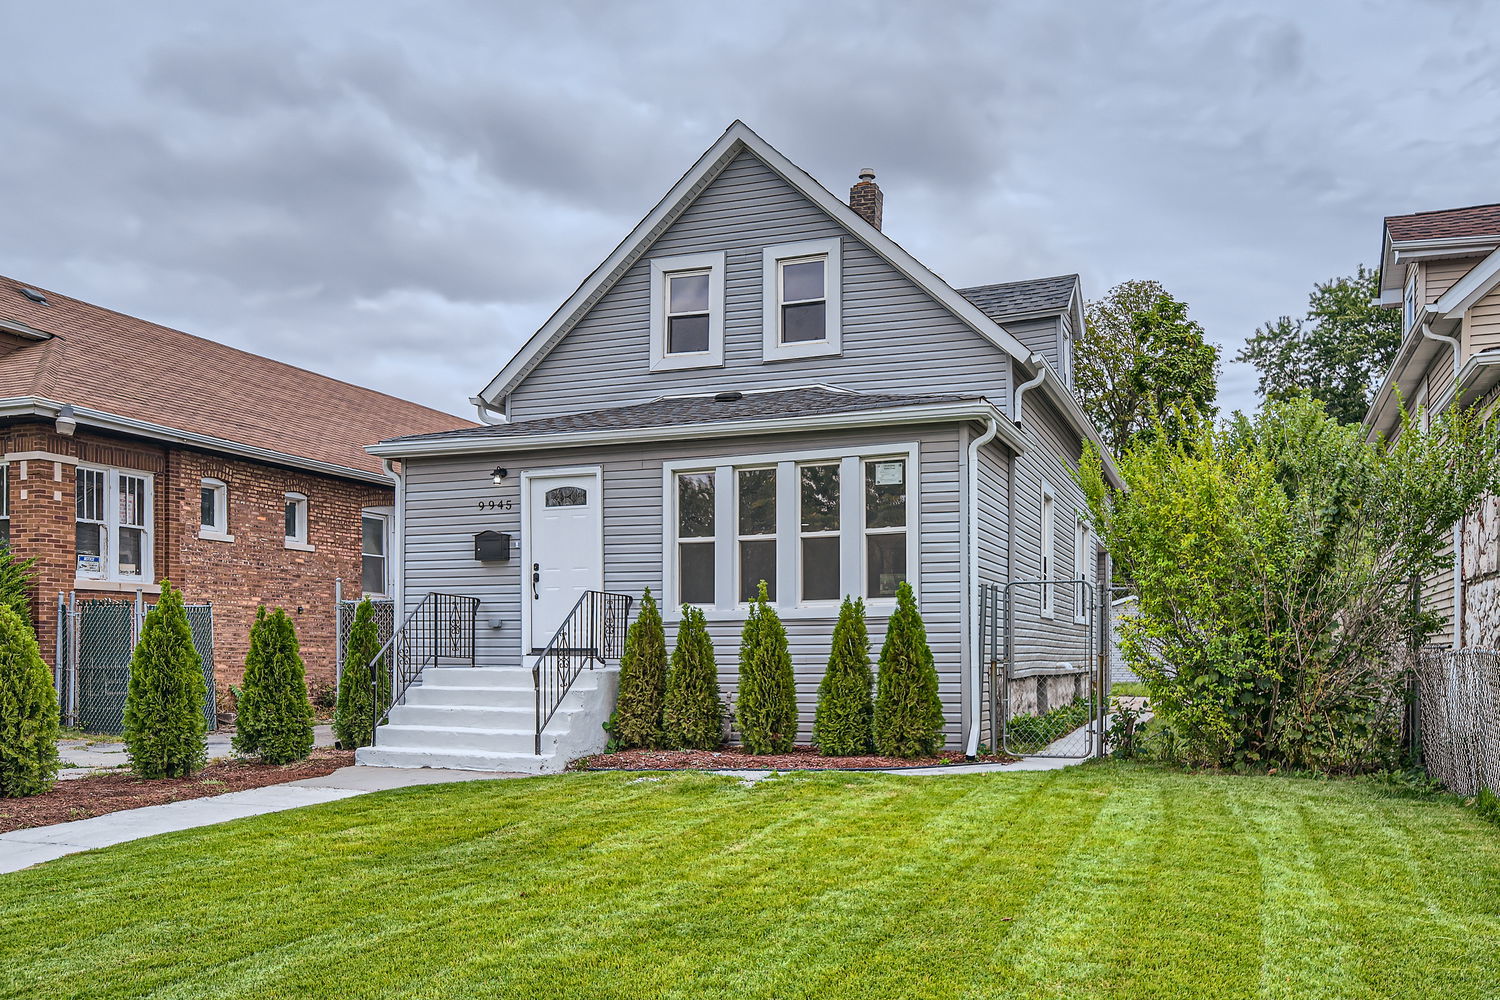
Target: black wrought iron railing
439,630
593,632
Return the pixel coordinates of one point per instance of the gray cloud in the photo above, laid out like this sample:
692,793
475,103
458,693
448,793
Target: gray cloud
398,194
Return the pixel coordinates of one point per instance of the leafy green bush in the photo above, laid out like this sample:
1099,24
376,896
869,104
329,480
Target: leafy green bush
1271,559
846,712
353,713
693,716
908,713
164,724
643,680
28,712
767,704
275,718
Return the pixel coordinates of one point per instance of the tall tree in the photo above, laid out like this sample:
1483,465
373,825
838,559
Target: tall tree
1141,360
1337,353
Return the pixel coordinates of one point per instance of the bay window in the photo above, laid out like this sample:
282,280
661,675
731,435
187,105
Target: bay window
814,527
113,530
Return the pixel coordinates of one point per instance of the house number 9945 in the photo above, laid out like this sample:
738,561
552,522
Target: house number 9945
496,504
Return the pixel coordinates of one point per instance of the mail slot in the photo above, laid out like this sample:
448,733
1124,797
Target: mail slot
492,546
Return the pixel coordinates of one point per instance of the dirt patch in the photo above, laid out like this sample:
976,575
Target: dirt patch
804,758
96,795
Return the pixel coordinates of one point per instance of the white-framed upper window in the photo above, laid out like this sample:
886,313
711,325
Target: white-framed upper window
801,308
213,508
687,311
5,504
1083,555
1419,408
114,524
374,575
296,520
1048,561
1409,300
815,526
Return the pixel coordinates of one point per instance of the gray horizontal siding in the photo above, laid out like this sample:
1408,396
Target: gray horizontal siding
442,515
1041,336
895,336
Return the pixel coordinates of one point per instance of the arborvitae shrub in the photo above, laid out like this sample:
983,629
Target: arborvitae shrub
908,712
352,713
164,722
275,717
767,704
692,718
643,680
842,727
28,712
16,578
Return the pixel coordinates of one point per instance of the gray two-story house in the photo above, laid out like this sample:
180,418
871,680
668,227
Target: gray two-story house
758,384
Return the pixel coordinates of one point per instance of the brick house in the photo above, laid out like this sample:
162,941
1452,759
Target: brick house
135,453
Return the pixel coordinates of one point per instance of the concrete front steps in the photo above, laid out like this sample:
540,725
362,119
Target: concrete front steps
483,719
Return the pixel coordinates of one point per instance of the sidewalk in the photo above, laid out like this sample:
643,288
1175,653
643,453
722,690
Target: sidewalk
82,757
23,848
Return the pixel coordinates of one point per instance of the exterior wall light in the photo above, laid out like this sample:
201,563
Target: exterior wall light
498,476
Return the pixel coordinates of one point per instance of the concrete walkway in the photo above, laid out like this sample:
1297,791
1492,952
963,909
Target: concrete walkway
24,848
82,757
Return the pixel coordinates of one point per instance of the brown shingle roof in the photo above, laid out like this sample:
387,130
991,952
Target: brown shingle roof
1477,220
128,367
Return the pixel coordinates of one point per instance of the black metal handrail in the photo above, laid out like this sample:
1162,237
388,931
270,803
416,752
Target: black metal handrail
594,630
441,627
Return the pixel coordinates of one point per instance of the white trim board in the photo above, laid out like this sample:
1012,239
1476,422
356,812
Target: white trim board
566,472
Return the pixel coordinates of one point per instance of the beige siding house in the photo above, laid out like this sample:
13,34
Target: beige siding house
1442,270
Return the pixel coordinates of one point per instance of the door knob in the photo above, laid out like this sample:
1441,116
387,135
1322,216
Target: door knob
536,578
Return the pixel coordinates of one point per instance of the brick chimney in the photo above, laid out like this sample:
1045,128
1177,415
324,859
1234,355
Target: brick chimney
866,198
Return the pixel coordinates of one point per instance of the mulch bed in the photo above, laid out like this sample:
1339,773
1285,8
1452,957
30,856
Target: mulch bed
803,758
112,791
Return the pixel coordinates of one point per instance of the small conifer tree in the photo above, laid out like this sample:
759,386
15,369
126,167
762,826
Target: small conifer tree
353,714
643,679
164,704
842,726
692,718
908,712
767,704
16,578
275,716
28,712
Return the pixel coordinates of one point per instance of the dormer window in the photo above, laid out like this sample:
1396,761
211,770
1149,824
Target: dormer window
687,311
800,300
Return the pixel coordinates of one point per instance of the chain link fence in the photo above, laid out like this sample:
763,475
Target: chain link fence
1457,717
96,638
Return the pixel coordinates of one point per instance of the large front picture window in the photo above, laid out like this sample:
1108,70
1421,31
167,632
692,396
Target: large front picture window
112,530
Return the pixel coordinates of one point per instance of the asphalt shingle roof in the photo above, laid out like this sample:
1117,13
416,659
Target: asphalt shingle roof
1022,298
687,411
128,367
1477,220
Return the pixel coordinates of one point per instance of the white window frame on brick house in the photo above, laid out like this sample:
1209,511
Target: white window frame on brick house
773,261
663,269
298,537
384,555
5,504
1047,563
114,517
853,532
218,529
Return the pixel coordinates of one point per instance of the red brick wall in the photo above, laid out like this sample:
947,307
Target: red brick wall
256,568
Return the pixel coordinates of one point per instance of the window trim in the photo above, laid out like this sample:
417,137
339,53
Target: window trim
1083,537
1411,305
1047,551
788,528
772,257
5,505
662,268
298,542
111,523
803,535
381,515
220,532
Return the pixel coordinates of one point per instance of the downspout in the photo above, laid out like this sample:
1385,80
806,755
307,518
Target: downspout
1039,363
1458,529
399,576
976,711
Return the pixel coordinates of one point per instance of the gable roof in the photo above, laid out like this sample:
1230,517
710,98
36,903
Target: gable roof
1448,223
736,139
165,383
1011,300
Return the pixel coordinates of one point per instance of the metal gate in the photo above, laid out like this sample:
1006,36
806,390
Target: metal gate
96,640
343,616
1043,647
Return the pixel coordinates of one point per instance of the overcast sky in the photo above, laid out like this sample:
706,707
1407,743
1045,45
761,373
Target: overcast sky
398,194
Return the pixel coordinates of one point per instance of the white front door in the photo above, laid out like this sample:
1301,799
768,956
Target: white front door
564,549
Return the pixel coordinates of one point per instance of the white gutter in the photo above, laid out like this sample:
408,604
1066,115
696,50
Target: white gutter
482,444
398,578
1458,529
29,406
976,650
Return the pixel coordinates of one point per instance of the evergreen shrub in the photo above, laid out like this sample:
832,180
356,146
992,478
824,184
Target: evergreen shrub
908,712
275,719
842,726
692,717
643,680
767,705
165,728
28,712
353,712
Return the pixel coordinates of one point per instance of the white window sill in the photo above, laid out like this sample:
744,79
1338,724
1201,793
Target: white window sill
214,536
827,611
115,586
802,349
681,362
297,546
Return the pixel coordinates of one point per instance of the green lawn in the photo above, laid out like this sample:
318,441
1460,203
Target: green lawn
1106,881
